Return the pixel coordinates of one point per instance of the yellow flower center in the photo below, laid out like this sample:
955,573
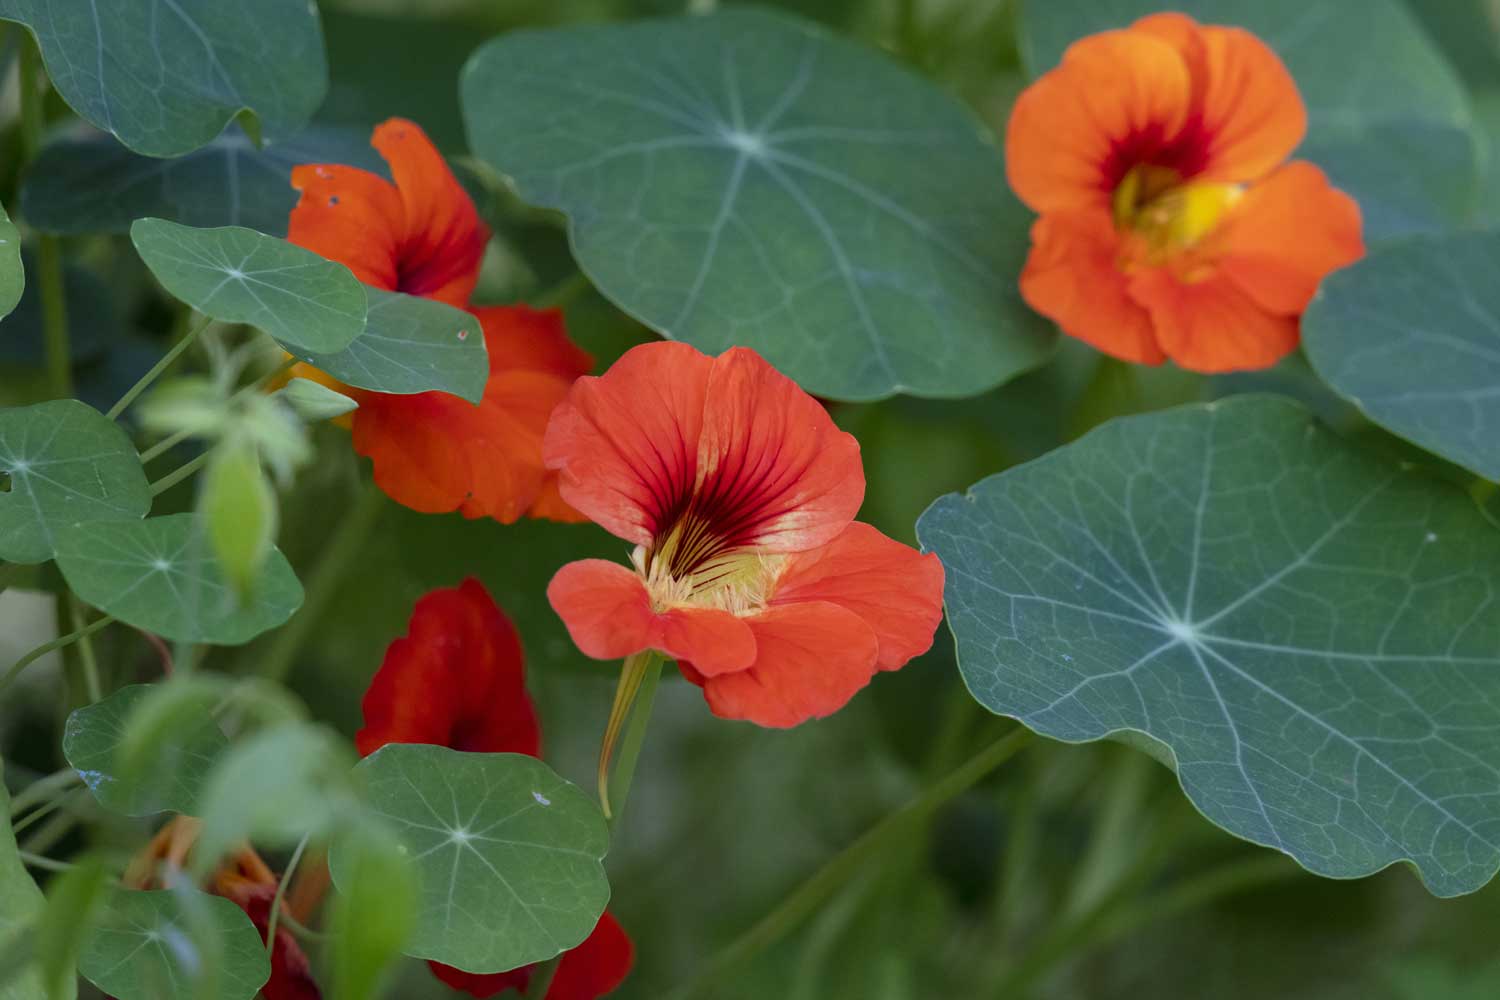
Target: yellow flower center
1167,215
685,569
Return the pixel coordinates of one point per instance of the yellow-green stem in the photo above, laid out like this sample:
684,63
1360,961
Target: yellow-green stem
157,369
49,269
641,671
47,647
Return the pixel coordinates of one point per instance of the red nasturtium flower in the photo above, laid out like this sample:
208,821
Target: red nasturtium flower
457,679
739,493
432,451
1171,225
243,879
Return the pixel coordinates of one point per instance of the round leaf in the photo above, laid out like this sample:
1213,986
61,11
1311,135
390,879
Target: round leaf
744,178
169,945
166,76
170,774
92,184
160,576
1314,635
508,855
306,302
23,905
1397,140
12,274
412,345
1411,335
66,464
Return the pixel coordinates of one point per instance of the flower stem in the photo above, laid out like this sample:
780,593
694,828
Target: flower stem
847,863
281,883
47,647
635,735
158,368
641,671
49,251
44,789
45,863
338,558
180,473
85,651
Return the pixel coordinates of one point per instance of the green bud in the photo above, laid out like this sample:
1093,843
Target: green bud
238,507
314,401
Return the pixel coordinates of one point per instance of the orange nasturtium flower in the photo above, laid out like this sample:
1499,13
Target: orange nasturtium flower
458,679
749,570
432,451
243,879
1171,225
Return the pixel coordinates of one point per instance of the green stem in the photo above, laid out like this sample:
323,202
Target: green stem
158,368
338,558
847,863
44,790
635,736
43,811
85,651
541,979
180,473
41,861
49,251
281,884
1115,915
47,647
301,930
165,445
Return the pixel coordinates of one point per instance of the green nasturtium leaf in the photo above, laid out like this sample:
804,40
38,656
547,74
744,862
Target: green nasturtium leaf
173,771
1411,335
508,855
745,178
92,184
1313,634
23,904
412,345
73,897
159,575
166,76
66,464
1398,140
306,302
12,274
174,945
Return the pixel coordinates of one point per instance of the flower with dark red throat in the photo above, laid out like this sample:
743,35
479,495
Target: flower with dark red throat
739,494
1171,227
432,451
458,679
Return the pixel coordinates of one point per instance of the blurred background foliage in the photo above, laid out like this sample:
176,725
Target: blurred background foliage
1074,872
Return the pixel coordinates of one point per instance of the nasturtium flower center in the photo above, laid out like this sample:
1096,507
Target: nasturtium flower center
1167,215
695,563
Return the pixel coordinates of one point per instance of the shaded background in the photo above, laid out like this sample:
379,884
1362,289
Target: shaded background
1073,872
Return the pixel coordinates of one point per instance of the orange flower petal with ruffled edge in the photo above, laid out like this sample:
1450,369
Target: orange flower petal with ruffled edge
609,616
593,969
1212,325
521,338
421,235
457,678
1072,277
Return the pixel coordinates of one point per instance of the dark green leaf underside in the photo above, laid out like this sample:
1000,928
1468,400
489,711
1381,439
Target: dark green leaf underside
1411,334
745,179
1314,635
159,575
508,854
67,464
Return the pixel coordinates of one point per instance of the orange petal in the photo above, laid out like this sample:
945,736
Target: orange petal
1118,96
505,443
1211,325
442,238
1286,234
351,216
456,679
1072,277
893,587
810,660
550,506
604,606
533,339
773,469
625,444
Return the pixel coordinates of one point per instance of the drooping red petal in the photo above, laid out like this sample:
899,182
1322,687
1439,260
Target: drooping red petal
593,969
811,658
456,679
443,239
625,444
608,613
896,590
774,472
291,975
